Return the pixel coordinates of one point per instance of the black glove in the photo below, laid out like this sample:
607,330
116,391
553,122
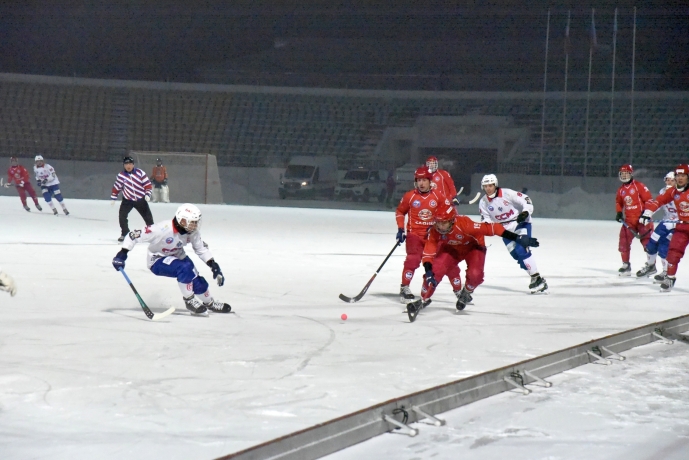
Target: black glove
217,274
455,201
522,216
164,181
526,241
118,261
619,217
430,279
400,235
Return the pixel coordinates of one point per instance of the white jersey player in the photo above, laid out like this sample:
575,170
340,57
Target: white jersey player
513,210
49,183
662,235
166,257
7,283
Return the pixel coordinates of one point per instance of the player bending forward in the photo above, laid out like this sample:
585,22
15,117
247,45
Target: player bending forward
513,210
453,239
679,196
49,183
631,198
166,257
7,283
660,239
18,176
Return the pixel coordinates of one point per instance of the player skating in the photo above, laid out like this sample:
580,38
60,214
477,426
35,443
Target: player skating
679,196
631,198
161,192
49,183
18,176
453,239
441,180
166,257
662,234
513,210
419,205
7,283
136,193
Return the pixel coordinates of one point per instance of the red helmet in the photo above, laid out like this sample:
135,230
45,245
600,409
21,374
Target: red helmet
445,213
682,169
432,163
625,173
422,172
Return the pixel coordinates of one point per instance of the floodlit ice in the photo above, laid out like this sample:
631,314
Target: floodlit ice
84,374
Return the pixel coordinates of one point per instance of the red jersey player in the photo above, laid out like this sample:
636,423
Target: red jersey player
454,239
18,176
631,199
679,195
419,205
442,180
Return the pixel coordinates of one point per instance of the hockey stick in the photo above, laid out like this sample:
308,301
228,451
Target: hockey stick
459,191
478,195
147,311
636,235
363,291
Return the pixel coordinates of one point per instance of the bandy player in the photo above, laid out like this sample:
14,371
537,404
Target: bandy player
419,205
631,199
442,180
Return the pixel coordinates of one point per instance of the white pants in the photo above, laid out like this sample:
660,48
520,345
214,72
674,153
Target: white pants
161,195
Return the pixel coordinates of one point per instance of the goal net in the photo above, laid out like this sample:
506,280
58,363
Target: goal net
192,177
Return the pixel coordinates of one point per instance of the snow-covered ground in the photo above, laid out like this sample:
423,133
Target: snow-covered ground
83,373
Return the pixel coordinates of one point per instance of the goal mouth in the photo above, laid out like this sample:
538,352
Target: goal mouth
192,177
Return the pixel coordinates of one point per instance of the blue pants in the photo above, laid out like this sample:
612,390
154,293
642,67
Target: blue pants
517,251
183,270
660,239
49,191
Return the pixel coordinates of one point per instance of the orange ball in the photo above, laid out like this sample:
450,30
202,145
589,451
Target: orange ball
344,316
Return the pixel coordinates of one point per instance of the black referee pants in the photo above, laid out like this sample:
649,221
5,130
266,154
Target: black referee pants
126,207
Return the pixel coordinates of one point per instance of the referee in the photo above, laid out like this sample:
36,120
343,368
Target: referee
136,193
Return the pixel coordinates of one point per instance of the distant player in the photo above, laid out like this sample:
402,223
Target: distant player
660,239
136,193
18,176
631,198
679,196
419,205
49,183
161,192
454,239
7,283
442,180
166,257
513,210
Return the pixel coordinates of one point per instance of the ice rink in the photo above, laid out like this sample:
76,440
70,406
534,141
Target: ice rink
84,374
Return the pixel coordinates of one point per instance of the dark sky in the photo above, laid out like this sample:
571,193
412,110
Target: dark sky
126,40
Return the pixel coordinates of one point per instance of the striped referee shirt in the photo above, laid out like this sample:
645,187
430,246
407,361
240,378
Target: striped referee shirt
134,185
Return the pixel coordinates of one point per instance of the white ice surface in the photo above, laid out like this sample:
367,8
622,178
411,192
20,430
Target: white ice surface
84,374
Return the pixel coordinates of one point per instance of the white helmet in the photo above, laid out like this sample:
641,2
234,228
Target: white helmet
670,175
489,179
38,158
188,217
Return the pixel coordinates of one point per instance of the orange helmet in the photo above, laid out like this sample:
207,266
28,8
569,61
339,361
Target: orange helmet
422,172
445,213
682,169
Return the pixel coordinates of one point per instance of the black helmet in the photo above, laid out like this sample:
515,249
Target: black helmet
159,162
128,160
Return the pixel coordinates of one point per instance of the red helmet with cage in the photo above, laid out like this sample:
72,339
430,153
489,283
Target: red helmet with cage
444,214
626,172
432,163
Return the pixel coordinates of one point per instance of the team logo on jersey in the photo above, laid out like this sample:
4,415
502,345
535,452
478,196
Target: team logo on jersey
684,206
507,203
500,209
491,209
179,244
433,204
623,193
456,281
632,192
408,275
416,203
169,240
676,197
628,200
425,214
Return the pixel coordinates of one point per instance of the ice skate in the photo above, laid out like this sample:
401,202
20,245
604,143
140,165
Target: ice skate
27,208
463,298
668,282
648,270
625,269
55,211
195,307
65,211
413,308
120,239
218,307
38,206
405,294
659,277
538,284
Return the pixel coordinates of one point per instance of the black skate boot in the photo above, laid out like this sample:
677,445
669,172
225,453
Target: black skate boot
120,239
660,277
538,284
218,307
625,269
38,206
648,270
27,208
195,307
55,211
405,294
463,298
65,211
413,308
668,282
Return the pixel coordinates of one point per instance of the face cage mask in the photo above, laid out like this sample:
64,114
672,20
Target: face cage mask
432,166
449,228
629,176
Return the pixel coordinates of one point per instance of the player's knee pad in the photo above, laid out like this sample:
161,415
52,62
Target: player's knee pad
186,272
200,285
58,196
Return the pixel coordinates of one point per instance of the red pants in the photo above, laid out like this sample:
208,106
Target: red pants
678,244
447,261
626,237
414,246
23,190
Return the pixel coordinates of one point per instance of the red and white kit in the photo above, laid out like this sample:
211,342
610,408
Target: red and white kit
18,176
631,199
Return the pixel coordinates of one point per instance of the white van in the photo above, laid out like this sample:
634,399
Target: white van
309,177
